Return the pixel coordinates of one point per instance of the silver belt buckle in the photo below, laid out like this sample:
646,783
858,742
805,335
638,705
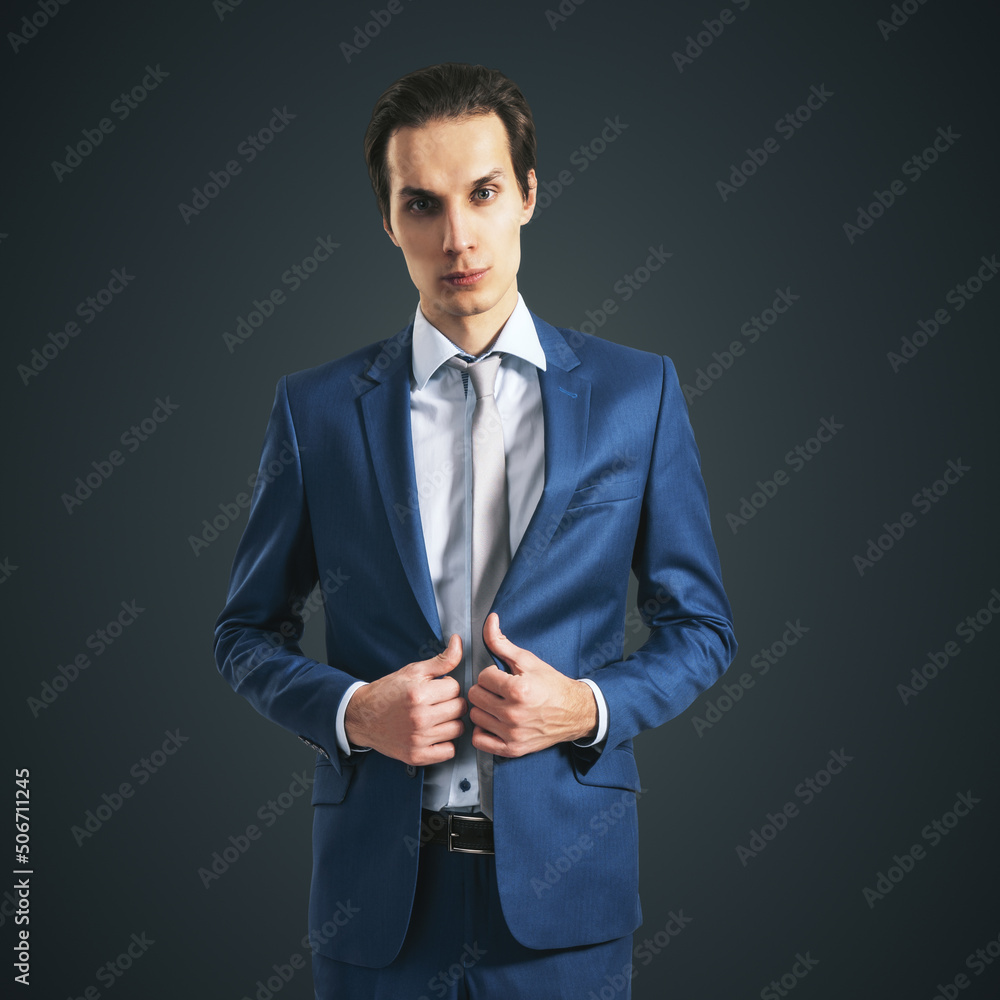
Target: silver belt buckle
452,834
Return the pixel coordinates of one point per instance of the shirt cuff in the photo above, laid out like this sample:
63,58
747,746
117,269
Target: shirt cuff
602,715
345,747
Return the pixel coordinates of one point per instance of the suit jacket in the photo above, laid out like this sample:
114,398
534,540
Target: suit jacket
336,503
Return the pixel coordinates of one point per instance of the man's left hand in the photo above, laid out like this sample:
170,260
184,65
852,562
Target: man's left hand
531,708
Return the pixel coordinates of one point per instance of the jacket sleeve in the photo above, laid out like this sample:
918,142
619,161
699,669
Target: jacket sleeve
258,632
680,597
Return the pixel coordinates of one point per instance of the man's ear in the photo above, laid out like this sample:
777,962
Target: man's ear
529,202
385,226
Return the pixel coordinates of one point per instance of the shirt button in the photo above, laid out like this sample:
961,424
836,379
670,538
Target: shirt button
410,770
464,784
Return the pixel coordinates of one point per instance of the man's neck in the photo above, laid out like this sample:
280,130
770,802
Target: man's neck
475,334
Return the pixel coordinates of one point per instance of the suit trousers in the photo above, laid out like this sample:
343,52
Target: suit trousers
458,947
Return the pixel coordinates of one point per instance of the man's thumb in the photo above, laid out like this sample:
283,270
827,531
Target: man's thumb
499,644
449,657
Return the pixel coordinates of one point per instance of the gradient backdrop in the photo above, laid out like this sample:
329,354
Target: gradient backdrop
823,178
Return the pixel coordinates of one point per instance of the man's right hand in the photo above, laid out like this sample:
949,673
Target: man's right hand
412,714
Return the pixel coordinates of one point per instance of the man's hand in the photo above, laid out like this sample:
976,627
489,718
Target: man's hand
412,714
533,707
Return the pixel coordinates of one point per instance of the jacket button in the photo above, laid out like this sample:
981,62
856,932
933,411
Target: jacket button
410,771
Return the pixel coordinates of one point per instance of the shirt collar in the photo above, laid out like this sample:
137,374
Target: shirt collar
431,348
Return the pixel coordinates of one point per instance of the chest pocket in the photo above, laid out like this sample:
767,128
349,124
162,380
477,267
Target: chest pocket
614,489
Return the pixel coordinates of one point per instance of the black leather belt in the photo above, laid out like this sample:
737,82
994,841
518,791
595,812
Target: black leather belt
464,834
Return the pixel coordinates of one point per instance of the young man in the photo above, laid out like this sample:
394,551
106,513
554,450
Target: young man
480,486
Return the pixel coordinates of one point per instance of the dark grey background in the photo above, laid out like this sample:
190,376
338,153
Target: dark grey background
654,185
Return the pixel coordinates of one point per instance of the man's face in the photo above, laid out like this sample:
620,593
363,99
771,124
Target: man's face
456,213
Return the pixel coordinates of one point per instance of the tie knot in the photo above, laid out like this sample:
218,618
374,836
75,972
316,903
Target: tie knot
482,373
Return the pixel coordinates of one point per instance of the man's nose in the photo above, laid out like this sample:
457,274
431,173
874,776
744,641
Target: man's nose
458,235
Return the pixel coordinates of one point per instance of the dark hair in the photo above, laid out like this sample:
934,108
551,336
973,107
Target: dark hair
448,91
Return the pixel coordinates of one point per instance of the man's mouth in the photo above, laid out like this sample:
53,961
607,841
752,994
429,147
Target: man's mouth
462,279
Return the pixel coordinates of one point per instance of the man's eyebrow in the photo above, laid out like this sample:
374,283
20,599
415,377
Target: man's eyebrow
415,192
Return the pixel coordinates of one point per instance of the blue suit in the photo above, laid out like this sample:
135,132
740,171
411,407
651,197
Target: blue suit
336,503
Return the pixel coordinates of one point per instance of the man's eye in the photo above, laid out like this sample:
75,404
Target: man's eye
488,192
420,204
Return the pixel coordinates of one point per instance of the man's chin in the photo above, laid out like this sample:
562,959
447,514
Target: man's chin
466,303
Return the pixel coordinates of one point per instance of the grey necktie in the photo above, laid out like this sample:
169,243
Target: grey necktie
490,527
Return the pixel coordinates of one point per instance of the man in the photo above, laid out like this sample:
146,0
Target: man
479,487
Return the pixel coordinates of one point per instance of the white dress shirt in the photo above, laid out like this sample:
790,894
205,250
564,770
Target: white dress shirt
441,430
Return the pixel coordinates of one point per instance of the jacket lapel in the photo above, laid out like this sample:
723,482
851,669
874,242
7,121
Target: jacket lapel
565,412
385,404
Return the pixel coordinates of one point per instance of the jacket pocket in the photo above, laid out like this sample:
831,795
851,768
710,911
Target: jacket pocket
614,768
614,489
329,787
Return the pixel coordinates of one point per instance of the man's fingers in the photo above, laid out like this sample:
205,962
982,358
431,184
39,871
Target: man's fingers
496,642
445,661
444,711
484,694
488,743
483,720
446,731
435,754
423,721
438,690
495,681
